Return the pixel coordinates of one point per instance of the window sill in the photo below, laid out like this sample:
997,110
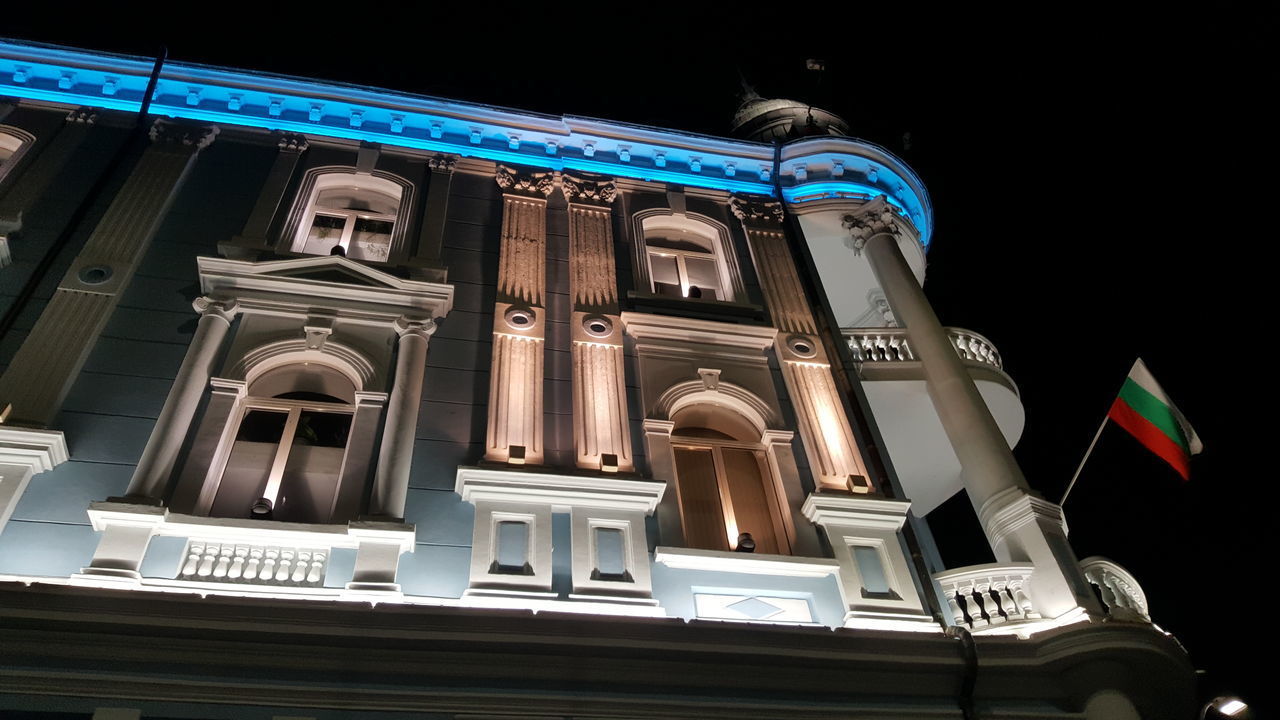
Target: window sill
749,563
645,301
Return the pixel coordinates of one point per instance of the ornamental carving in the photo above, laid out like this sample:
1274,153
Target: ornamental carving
444,163
588,189
198,137
755,210
83,116
222,309
874,218
533,183
292,142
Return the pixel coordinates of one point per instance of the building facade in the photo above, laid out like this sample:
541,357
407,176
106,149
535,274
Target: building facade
327,401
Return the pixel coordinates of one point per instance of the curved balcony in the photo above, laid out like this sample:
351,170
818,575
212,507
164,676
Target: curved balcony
893,380
994,598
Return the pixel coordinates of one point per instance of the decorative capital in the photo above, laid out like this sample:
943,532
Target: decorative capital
755,210
222,309
199,137
443,163
532,183
587,189
83,116
292,142
873,218
415,326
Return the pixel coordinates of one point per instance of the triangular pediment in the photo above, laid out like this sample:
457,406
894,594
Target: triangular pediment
328,268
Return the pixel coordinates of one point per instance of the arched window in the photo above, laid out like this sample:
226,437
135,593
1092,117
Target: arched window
286,446
725,487
687,258
351,214
13,143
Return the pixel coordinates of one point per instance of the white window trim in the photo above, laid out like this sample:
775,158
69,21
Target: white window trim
324,178
16,142
717,234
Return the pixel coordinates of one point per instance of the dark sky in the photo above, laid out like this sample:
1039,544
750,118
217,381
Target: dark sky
1097,191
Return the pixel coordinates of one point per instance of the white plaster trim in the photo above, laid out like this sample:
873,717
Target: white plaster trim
726,394
644,326
561,492
274,286
346,360
40,450
863,620
1009,510
250,532
725,561
865,512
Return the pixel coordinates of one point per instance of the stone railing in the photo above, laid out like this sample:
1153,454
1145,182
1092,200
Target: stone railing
986,595
1121,594
890,345
253,564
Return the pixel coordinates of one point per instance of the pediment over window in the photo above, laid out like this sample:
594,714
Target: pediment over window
327,281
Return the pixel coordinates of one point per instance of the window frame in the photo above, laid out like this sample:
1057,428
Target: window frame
317,180
768,486
715,234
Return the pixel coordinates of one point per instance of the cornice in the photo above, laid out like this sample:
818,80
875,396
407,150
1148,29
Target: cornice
228,97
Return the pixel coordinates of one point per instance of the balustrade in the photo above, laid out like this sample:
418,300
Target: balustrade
986,595
891,345
1120,592
253,564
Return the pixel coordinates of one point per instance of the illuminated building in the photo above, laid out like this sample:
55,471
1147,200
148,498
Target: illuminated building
485,413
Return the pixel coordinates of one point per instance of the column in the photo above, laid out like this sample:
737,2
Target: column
514,433
257,229
154,469
824,426
391,482
1019,526
601,431
435,210
41,374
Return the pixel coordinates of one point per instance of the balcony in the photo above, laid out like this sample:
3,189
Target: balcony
893,380
995,598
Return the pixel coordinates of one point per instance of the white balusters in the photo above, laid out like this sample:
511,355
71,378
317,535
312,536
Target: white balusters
1120,592
988,595
252,564
890,345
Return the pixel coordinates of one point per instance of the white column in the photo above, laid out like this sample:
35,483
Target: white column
1019,526
161,453
391,482
601,428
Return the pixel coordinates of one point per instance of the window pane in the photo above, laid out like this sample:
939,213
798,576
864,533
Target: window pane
371,240
750,506
611,561
700,506
325,233
249,464
314,467
871,570
703,275
666,275
512,553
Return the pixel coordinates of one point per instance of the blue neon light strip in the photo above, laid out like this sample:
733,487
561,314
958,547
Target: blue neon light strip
251,100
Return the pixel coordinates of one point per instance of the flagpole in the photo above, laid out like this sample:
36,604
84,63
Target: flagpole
1083,460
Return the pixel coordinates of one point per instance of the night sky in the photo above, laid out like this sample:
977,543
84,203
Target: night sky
1097,190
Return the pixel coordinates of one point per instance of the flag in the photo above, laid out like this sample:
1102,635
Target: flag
1145,411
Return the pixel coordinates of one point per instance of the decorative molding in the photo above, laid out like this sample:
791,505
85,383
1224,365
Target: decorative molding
873,218
561,492
837,508
39,450
167,132
531,183
422,328
83,116
340,357
443,163
749,563
739,399
588,189
754,209
292,142
222,309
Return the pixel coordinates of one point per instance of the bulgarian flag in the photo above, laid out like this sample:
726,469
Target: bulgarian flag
1146,412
